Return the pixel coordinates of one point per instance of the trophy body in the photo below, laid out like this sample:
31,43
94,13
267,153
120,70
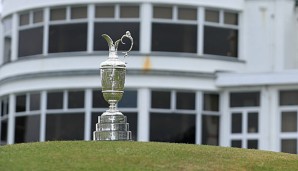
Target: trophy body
112,124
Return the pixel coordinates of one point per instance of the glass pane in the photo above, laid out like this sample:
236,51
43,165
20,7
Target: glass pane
236,122
178,128
129,12
210,130
220,41
187,14
132,119
253,123
245,99
68,38
185,100
129,99
35,37
162,12
78,12
98,101
231,18
7,24
115,31
161,99
288,97
105,11
58,14
4,106
76,99
211,102
212,16
34,101
3,137
24,19
7,49
20,103
289,146
174,37
37,16
252,144
236,143
289,122
27,128
65,126
55,100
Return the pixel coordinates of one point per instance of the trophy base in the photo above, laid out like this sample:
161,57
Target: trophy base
112,128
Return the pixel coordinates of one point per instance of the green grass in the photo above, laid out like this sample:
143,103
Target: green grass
91,155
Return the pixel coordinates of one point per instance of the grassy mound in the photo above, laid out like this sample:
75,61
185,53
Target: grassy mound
90,155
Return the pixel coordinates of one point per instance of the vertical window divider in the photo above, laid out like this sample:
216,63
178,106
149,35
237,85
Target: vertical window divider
221,17
31,18
27,108
200,36
43,106
68,13
14,37
199,111
88,106
11,119
117,12
46,13
145,28
173,101
65,100
90,16
175,13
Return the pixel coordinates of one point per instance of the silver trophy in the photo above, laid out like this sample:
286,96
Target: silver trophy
112,124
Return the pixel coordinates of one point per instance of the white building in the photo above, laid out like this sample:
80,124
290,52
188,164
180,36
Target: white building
218,72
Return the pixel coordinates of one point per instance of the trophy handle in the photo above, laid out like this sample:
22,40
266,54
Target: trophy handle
127,35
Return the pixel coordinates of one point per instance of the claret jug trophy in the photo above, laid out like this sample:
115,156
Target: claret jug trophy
112,124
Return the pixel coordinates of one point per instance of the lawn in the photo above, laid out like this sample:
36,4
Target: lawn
106,155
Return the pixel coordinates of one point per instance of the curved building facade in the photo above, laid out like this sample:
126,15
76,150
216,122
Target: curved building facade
201,72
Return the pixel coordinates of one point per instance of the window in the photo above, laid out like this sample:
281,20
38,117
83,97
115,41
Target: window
289,146
161,99
129,99
185,100
4,105
35,35
129,12
7,49
162,12
178,128
236,123
211,102
185,13
38,16
3,132
288,97
27,128
65,126
105,11
55,100
98,100
24,19
210,130
68,38
20,103
76,99
221,33
58,14
78,12
244,99
115,31
34,101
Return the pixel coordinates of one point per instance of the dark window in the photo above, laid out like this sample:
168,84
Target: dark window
236,143
3,133
210,130
252,144
20,103
115,31
129,99
4,106
132,119
231,18
288,97
37,16
289,122
65,126
55,100
129,11
212,16
34,101
105,11
163,12
174,37
236,123
245,99
68,38
185,100
211,102
7,49
76,99
220,41
30,41
187,14
58,14
161,99
78,12
289,146
178,128
24,19
253,122
27,129
98,101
